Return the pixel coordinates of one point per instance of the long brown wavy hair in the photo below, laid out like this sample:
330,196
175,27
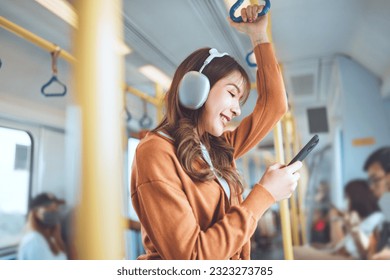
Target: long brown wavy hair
182,123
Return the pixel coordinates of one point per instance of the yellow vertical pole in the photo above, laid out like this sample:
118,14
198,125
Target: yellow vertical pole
278,144
283,205
159,107
300,192
293,205
98,77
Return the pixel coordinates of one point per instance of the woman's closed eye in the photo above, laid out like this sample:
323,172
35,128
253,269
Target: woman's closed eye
232,94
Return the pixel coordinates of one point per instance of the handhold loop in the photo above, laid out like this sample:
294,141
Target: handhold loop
145,122
250,63
265,10
54,79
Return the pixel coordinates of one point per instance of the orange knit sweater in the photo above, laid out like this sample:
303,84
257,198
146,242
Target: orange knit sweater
182,219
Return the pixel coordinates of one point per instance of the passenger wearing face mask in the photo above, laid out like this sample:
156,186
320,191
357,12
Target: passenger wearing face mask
377,167
42,240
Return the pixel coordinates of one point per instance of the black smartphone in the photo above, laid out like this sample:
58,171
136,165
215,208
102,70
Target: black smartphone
306,150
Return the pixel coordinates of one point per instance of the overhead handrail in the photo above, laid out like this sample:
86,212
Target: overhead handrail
148,98
265,10
29,36
145,122
49,46
54,79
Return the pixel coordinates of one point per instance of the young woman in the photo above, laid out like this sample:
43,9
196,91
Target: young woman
184,186
43,240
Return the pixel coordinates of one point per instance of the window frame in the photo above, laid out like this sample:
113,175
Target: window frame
9,252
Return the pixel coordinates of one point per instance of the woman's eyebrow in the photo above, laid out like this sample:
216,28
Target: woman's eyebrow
234,85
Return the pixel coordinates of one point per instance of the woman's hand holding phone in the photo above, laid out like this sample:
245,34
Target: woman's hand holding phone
280,180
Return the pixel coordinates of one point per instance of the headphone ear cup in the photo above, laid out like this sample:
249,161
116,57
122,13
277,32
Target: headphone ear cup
194,89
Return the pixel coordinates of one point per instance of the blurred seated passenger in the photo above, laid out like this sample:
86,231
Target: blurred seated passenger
320,228
377,167
350,231
380,240
42,240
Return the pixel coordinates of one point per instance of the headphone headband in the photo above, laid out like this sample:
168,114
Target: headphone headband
194,88
213,53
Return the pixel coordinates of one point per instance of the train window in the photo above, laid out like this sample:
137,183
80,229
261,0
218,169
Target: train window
15,167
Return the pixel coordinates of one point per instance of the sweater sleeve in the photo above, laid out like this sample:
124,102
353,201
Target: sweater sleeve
270,106
171,222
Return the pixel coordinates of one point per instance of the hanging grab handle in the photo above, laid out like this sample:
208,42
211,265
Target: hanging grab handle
145,122
250,63
128,115
54,79
265,10
51,81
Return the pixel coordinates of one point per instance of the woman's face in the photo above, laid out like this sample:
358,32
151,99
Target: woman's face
222,105
378,180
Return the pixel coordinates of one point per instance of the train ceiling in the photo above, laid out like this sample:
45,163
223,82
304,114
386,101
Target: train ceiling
163,33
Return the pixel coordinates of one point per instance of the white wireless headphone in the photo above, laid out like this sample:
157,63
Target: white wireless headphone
194,88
